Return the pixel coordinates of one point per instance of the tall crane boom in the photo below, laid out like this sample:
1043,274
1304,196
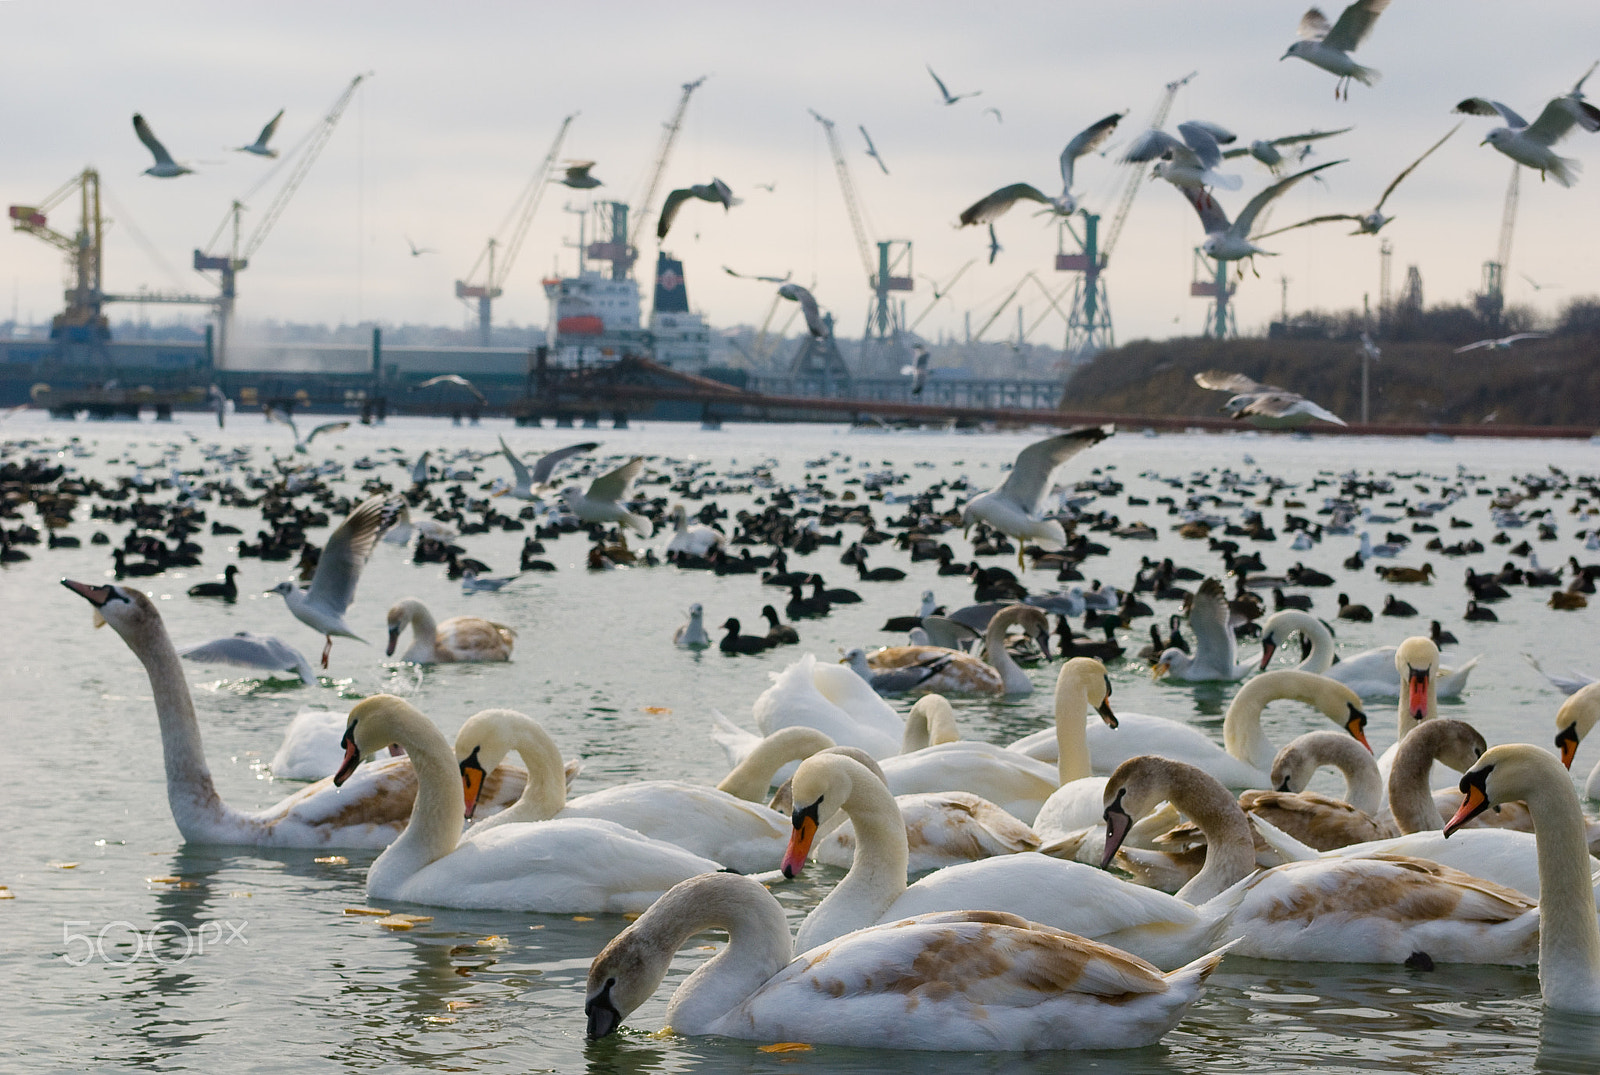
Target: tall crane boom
1492,300
1136,173
669,138
848,189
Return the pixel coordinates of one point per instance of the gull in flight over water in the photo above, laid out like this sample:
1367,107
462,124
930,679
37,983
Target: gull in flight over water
715,191
527,478
992,207
784,279
1329,47
1190,164
1532,143
164,167
283,417
917,370
245,650
1264,405
1266,150
577,176
950,98
451,378
603,502
1503,343
1227,241
322,605
259,147
1369,223
808,306
1013,508
872,150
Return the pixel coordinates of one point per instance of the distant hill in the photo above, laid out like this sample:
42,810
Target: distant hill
1554,381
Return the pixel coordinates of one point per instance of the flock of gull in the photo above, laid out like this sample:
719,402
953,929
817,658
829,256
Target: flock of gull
1072,889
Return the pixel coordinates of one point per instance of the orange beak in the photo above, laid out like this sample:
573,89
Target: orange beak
805,830
1475,802
1357,727
472,776
1567,744
1417,693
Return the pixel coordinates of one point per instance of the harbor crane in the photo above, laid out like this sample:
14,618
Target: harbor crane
242,248
645,205
890,271
1492,300
486,286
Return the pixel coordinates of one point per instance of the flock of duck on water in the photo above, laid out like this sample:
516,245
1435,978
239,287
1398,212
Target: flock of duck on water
1077,886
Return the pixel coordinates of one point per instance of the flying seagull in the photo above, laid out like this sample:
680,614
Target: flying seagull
164,167
1014,508
1329,47
992,207
283,417
259,147
418,251
808,306
577,176
948,98
1369,223
1087,140
1227,241
450,378
998,118
1503,343
784,279
539,474
917,370
715,191
245,650
1530,144
1191,163
1266,150
872,150
1264,405
603,502
994,245
322,605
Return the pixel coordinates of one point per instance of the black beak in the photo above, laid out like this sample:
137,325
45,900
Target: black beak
95,595
603,1015
1118,823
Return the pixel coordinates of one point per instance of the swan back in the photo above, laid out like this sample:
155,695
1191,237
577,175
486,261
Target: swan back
796,697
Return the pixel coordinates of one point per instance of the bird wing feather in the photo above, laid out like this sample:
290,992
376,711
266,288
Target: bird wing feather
1354,24
1212,218
1208,617
1246,219
326,427
1481,106
548,462
1314,25
1325,219
1233,383
669,210
268,131
518,470
614,486
1555,122
1030,474
1087,140
1206,149
151,142
992,207
334,584
1413,166
1154,144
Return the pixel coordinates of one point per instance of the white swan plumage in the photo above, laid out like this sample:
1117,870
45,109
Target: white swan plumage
460,639
1370,673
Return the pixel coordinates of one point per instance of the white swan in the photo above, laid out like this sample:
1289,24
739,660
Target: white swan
1371,673
1248,755
369,812
964,980
833,700
1317,820
1076,804
714,824
571,865
1575,719
950,671
459,639
1344,909
310,749
1215,648
697,540
1416,662
1569,938
1067,895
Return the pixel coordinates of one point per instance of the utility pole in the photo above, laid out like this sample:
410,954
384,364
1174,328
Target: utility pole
1283,298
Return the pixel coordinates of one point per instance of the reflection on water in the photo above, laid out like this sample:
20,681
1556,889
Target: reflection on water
311,986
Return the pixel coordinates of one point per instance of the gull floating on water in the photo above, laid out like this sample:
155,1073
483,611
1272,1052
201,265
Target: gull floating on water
1531,143
1503,343
283,417
1190,164
715,191
259,147
539,474
1014,507
1369,223
245,650
1329,47
603,501
1227,241
164,167
322,605
872,150
1264,405
808,306
1266,150
950,98
471,582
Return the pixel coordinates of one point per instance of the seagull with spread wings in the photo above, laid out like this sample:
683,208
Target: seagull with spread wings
949,98
1532,144
451,378
259,147
1368,223
1014,508
715,191
1263,405
1329,47
538,475
283,417
808,306
1230,241
1266,151
994,206
1503,343
1190,163
784,279
1215,648
917,370
872,150
245,650
577,176
323,604
164,167
603,502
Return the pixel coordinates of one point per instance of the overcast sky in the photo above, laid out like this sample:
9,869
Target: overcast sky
466,98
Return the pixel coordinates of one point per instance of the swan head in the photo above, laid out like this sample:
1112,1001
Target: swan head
128,611
374,723
1138,786
400,615
1090,676
1575,718
1300,758
1506,773
1452,742
484,741
1417,661
820,788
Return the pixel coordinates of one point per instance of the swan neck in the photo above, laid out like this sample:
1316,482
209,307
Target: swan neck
1230,845
1320,659
1569,935
191,793
877,874
1072,734
424,634
758,947
1242,735
545,794
1016,681
753,777
436,816
1363,786
1410,789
